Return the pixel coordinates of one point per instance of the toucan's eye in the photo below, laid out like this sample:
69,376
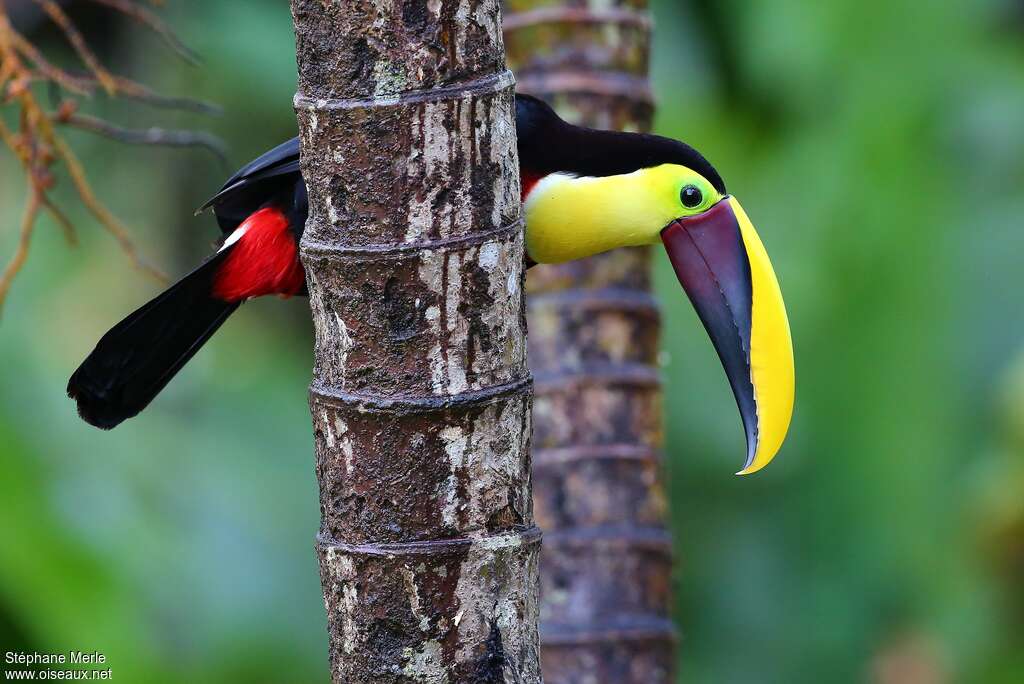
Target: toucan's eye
691,196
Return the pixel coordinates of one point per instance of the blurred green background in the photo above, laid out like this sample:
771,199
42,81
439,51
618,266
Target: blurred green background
878,146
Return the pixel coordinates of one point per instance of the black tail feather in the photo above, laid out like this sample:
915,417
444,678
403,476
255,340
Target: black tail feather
140,355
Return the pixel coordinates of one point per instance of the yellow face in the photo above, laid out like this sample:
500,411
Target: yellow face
568,218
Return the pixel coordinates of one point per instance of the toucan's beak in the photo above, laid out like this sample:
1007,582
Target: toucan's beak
725,271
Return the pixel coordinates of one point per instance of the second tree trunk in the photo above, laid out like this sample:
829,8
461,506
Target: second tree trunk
594,336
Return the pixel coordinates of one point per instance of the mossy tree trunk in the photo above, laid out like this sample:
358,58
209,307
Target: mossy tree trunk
421,393
594,336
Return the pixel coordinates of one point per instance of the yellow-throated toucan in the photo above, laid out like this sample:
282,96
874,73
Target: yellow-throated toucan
585,191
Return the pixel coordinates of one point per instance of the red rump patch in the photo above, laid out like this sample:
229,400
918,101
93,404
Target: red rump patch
264,261
528,180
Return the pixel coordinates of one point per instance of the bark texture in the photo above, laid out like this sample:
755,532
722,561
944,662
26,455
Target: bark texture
594,329
421,394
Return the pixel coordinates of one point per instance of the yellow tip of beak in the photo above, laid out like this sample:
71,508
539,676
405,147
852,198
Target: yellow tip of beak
758,463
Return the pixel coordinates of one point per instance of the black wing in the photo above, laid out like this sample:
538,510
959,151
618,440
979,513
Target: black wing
274,176
271,177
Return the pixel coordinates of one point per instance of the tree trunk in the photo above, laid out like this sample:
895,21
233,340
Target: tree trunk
594,335
421,394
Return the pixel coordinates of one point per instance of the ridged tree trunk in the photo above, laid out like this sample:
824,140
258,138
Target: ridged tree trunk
421,393
594,329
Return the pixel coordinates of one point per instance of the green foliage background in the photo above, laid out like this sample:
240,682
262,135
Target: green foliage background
879,147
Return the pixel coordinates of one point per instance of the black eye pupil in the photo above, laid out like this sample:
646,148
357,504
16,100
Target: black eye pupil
692,196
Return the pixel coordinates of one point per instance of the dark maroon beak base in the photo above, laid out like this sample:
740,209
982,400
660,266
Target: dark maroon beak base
710,260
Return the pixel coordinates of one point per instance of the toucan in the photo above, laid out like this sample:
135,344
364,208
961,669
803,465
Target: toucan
584,191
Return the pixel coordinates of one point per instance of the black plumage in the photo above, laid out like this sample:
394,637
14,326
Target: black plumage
548,144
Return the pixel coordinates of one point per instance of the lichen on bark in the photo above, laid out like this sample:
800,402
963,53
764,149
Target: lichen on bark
421,395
